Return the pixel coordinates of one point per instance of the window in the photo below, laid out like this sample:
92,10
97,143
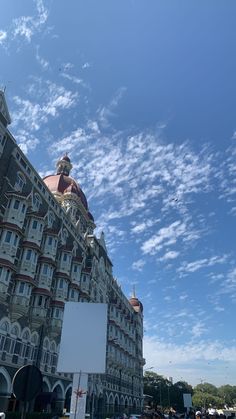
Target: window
21,287
20,181
16,204
72,293
64,257
4,327
51,219
8,236
15,240
28,254
45,269
23,208
2,139
36,202
75,268
7,277
34,224
64,236
49,241
40,300
61,284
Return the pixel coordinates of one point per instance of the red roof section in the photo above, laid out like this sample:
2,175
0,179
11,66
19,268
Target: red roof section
65,184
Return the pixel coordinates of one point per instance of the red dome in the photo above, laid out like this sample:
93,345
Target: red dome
65,184
136,304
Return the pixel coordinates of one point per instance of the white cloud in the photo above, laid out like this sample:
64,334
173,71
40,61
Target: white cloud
3,36
43,63
27,26
139,175
198,329
202,263
138,265
191,359
169,255
164,237
74,79
86,65
26,141
104,113
54,99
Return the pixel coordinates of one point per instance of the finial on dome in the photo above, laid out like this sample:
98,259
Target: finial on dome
134,293
64,165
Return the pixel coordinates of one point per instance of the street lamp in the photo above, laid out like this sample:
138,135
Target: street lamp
168,392
159,382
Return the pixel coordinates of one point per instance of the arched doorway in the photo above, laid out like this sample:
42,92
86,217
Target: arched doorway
100,406
58,404
116,405
68,399
44,400
5,389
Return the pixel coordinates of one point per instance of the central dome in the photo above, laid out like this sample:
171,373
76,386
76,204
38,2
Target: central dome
62,183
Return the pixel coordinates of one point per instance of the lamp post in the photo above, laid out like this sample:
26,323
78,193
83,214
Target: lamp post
168,392
156,387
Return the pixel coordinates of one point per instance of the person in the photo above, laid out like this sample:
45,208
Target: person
198,414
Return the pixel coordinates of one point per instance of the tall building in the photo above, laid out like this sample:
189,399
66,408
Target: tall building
49,254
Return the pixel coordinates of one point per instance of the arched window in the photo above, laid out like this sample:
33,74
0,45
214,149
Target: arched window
34,338
46,344
20,181
53,347
26,335
4,326
15,331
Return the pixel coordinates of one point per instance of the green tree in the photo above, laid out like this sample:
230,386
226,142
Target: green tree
163,392
207,388
204,400
228,394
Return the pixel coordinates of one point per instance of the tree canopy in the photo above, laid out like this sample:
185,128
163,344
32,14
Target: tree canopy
163,393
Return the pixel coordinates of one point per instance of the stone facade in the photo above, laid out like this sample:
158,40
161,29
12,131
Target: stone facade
49,254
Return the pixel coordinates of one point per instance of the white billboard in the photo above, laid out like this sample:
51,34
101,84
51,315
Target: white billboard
187,400
83,338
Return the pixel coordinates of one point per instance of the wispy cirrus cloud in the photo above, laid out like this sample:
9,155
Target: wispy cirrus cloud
105,113
34,113
170,255
42,61
27,26
166,236
3,36
202,263
141,175
138,265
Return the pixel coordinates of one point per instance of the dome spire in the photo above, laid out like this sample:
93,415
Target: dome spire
64,165
134,293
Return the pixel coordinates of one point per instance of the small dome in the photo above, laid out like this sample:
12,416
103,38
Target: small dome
62,183
136,304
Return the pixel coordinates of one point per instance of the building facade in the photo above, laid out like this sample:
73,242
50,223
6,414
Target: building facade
49,254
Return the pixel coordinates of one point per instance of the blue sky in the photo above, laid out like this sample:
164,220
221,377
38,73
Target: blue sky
142,96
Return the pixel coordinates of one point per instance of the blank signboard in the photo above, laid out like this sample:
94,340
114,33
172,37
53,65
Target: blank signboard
83,339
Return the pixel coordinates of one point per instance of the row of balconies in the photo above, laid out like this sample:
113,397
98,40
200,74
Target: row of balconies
122,325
